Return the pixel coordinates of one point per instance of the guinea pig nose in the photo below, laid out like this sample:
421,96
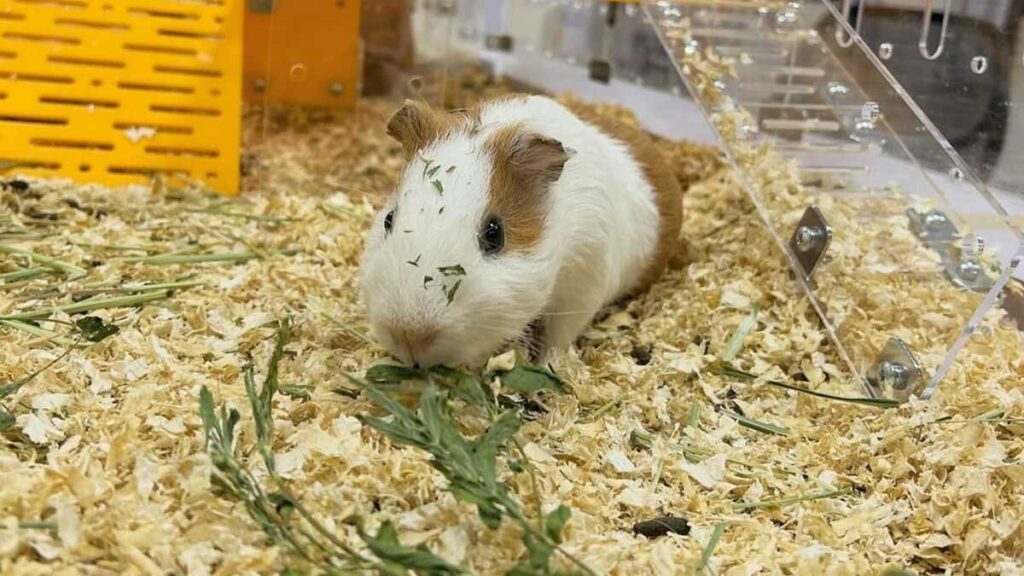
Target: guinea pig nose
416,340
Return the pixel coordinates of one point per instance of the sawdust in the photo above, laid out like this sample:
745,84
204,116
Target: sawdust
104,471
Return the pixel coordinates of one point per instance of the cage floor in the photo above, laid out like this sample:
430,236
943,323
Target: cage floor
103,469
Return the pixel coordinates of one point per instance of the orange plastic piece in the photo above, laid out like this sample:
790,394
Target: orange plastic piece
115,91
302,52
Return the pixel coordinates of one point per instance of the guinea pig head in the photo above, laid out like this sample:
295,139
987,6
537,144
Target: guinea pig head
458,262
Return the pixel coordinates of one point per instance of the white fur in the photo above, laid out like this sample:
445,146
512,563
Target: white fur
600,234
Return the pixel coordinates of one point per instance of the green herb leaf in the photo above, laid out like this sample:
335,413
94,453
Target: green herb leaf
415,262
94,330
728,370
438,186
450,169
555,523
420,560
430,173
467,387
450,294
427,280
392,374
755,425
302,392
526,378
455,270
709,548
6,420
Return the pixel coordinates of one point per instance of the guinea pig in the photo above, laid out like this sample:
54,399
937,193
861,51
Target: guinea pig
516,218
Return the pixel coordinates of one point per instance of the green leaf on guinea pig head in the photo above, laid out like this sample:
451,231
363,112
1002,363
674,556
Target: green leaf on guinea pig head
438,186
450,294
454,270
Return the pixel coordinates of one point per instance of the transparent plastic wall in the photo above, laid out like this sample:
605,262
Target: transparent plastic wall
902,250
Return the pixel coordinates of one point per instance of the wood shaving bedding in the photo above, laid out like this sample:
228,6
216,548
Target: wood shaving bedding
104,471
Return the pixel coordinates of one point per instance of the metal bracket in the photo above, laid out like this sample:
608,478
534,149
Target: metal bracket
600,71
896,374
501,42
261,6
937,232
810,241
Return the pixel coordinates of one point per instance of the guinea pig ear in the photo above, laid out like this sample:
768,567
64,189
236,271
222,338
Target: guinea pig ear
414,125
537,159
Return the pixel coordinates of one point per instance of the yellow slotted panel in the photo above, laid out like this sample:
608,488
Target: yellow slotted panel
114,91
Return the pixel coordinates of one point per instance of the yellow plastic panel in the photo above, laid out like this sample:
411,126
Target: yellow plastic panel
114,91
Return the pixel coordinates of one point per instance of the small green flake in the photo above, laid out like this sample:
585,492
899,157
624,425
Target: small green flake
455,270
437,184
441,211
453,290
427,280
430,173
450,169
415,262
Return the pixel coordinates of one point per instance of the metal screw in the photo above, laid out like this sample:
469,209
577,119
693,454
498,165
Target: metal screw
894,375
337,88
809,237
259,84
935,220
969,269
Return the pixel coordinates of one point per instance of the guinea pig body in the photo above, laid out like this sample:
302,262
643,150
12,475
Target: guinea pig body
518,214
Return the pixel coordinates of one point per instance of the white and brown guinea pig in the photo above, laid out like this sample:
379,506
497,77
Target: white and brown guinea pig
517,217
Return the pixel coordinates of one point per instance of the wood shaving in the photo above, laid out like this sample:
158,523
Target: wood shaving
105,471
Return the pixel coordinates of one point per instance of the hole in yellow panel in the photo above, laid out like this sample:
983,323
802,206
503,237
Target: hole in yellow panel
190,34
160,128
46,38
78,61
21,163
144,171
65,100
91,24
188,71
58,143
297,72
160,49
193,110
6,54
3,95
214,92
182,151
97,82
33,120
84,167
152,87
33,77
163,13
211,175
11,16
57,3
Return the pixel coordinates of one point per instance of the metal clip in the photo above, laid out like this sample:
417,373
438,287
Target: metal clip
810,241
926,26
845,43
501,42
962,264
896,374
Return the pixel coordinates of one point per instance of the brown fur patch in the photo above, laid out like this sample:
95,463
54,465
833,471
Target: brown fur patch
525,166
416,125
668,195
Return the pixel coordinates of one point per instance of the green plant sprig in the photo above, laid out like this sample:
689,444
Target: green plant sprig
274,509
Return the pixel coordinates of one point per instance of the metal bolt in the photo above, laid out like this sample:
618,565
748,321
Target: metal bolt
809,237
935,220
337,88
259,84
894,375
969,269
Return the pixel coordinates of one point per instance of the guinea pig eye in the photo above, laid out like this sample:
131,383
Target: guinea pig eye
389,221
492,236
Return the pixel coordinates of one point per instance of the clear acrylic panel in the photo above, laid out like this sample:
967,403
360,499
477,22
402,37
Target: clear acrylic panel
900,246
